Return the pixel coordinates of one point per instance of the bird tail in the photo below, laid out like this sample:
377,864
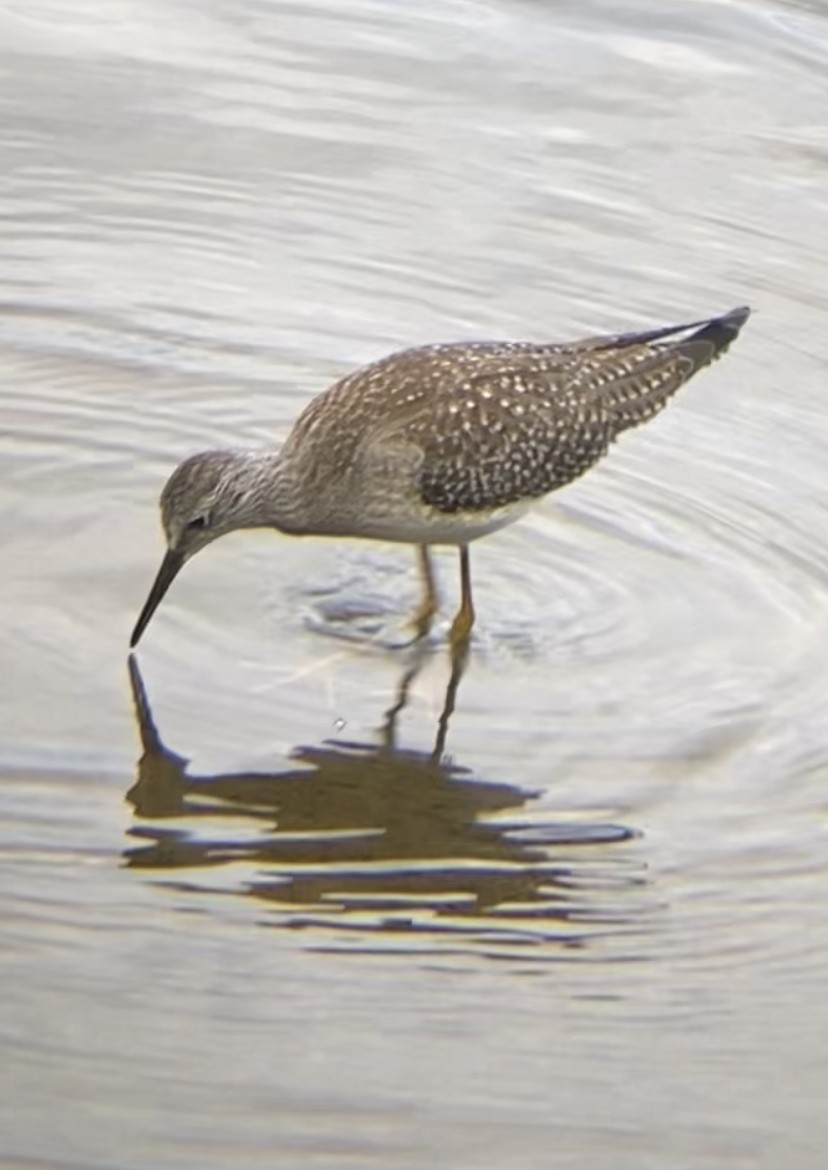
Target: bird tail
637,373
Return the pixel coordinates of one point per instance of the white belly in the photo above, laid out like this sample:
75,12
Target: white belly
434,527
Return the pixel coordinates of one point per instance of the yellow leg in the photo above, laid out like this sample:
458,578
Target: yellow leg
430,601
463,622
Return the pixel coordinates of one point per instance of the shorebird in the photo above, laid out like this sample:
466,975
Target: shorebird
441,444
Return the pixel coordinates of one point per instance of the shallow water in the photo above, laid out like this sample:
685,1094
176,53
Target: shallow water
279,890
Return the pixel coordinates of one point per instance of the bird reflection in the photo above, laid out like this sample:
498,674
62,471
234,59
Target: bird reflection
371,837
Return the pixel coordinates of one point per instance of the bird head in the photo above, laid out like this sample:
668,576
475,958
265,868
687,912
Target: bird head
205,497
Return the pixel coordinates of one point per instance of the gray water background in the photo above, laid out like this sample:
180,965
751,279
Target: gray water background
594,933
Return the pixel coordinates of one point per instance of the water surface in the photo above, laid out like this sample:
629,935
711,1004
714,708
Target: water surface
278,889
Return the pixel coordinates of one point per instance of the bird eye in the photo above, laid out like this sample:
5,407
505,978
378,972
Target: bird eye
197,522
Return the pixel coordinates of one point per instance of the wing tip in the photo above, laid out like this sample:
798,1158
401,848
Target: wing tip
721,331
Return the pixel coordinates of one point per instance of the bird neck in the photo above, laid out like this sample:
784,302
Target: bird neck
272,498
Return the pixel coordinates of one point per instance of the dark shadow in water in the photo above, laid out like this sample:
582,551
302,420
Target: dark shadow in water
362,838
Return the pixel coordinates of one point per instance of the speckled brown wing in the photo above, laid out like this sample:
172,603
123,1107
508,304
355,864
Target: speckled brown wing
535,421
408,394
505,435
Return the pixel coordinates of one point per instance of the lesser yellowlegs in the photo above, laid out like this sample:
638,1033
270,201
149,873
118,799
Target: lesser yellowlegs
437,445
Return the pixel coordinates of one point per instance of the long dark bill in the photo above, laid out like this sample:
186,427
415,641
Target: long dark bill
170,565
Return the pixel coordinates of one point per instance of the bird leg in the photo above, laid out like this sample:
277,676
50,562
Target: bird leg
464,620
430,601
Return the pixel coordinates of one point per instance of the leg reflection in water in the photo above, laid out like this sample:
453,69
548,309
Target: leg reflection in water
459,661
363,838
